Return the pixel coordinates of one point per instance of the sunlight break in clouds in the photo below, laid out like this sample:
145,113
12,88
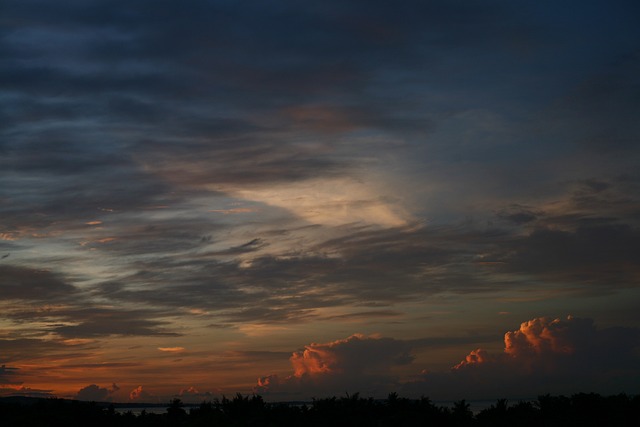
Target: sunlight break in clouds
331,201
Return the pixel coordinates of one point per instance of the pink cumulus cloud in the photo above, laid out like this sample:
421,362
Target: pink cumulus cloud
141,395
357,363
547,336
476,356
543,355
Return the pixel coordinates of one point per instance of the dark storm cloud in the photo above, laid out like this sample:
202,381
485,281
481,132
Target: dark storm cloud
36,350
593,239
96,322
606,254
23,283
356,363
81,319
605,106
8,375
95,393
223,93
100,60
543,355
518,214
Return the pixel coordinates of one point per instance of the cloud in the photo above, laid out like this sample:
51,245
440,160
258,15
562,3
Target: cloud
141,395
542,336
602,108
362,145
356,363
27,392
543,356
79,321
602,253
96,393
23,283
171,349
347,356
192,395
15,348
475,356
7,376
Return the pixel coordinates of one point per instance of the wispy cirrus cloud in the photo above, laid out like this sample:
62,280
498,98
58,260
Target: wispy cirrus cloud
286,168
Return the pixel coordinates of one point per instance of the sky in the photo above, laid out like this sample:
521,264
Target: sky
305,199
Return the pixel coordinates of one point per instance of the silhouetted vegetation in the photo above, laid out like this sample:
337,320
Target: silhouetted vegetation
351,410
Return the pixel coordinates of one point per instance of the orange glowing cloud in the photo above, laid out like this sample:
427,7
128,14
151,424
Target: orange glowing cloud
475,357
171,349
537,340
356,363
542,335
544,355
140,393
106,240
312,361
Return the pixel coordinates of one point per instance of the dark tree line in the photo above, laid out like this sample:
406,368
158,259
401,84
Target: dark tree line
582,409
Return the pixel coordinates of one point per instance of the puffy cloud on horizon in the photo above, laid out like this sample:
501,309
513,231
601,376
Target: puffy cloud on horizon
346,356
475,356
357,363
561,344
95,393
545,336
140,394
542,355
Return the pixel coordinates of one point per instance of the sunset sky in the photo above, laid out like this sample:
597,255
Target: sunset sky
303,199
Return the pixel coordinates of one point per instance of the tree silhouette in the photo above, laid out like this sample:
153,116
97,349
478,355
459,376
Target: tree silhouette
581,409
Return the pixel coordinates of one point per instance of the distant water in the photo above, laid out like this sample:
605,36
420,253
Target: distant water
478,405
137,410
474,405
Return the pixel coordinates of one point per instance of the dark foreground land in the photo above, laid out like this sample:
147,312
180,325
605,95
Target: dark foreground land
577,410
